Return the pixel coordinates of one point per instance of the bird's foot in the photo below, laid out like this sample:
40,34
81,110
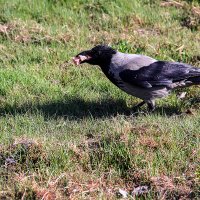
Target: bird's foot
150,107
136,108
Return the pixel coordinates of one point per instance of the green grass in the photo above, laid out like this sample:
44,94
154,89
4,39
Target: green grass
66,131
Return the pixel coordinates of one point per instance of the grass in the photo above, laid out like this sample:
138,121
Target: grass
67,132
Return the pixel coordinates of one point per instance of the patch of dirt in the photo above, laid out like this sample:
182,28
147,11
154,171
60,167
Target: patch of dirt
190,21
172,3
167,188
148,142
196,11
22,154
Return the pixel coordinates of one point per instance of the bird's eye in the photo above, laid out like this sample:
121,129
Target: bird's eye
99,53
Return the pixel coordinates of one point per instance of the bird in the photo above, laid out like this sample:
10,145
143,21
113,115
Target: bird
139,75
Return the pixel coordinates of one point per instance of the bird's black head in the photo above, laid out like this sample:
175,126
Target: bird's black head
99,55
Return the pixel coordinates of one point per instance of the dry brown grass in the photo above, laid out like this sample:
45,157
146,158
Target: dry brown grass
81,140
168,188
31,32
173,3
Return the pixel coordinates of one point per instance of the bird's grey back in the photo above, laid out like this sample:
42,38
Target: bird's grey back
121,61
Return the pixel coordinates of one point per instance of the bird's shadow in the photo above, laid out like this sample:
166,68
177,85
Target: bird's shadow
71,108
78,108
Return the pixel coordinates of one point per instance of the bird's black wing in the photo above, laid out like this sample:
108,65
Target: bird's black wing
159,73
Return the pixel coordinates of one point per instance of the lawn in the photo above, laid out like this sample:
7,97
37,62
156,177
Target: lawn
66,131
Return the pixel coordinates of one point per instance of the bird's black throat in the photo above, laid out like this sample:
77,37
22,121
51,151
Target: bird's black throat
106,70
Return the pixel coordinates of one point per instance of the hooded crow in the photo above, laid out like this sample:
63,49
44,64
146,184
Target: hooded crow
139,75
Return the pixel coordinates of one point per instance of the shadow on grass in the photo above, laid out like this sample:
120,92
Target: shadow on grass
71,108
77,108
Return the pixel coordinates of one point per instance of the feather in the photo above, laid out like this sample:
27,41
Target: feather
159,73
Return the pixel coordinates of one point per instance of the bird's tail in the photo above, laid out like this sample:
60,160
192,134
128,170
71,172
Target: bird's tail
194,75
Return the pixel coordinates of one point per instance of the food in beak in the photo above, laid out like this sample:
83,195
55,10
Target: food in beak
76,60
80,58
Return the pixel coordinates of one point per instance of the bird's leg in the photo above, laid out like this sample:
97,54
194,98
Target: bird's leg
151,105
135,108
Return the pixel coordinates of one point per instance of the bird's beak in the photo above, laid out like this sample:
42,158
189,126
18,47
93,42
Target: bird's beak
79,59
